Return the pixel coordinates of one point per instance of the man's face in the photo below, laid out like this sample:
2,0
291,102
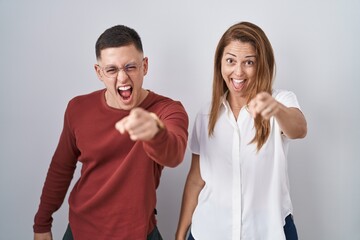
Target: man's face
122,70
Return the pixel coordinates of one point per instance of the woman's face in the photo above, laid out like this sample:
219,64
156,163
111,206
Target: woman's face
238,68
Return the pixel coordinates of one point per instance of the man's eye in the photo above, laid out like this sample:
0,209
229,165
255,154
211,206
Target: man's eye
130,68
111,70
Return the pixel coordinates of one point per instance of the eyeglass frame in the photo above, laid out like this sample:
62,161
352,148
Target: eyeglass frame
124,68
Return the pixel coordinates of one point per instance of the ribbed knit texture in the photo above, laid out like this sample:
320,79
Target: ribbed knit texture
115,196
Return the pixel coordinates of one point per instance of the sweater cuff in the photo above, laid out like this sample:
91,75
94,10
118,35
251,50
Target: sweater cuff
41,229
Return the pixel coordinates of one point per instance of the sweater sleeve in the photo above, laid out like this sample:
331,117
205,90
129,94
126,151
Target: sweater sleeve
168,147
59,176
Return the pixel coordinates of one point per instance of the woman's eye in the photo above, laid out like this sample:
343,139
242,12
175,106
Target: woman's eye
229,60
249,62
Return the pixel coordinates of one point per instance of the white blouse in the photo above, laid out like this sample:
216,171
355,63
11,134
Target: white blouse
246,194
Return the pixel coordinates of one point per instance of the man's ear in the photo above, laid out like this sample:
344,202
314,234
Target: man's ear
145,65
98,71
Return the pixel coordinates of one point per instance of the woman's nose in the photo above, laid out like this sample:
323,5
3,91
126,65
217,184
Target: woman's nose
238,70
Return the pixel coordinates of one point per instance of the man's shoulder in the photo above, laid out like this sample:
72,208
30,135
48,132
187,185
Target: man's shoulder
81,102
158,96
86,97
165,106
158,100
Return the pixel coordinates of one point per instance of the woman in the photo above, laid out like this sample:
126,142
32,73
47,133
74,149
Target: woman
237,186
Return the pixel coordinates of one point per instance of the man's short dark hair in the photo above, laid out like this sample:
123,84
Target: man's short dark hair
118,36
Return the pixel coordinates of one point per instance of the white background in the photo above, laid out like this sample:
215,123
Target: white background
47,55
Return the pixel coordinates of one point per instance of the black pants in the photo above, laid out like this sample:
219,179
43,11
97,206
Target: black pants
289,229
154,235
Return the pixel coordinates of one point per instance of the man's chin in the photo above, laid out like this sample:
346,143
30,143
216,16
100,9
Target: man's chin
127,105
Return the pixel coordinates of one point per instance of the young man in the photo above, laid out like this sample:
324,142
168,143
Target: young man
123,136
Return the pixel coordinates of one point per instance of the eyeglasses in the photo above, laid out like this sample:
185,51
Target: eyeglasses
129,69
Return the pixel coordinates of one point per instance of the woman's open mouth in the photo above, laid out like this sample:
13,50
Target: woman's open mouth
237,83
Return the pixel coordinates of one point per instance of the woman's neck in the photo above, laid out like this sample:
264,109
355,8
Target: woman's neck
236,105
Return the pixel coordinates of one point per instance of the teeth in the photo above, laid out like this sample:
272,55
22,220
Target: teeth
237,81
124,88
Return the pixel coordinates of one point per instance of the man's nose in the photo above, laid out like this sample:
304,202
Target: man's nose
122,75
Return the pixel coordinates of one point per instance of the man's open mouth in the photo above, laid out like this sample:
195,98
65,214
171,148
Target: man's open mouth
125,92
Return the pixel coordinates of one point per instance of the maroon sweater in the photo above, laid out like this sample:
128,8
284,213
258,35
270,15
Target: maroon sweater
115,195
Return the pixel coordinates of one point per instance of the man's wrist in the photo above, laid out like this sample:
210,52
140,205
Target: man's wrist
159,123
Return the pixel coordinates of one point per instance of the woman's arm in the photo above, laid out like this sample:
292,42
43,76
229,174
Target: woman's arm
194,184
291,120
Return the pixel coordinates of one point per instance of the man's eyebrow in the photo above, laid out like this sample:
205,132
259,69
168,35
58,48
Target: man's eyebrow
110,65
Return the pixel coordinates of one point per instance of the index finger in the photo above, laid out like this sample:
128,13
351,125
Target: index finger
120,125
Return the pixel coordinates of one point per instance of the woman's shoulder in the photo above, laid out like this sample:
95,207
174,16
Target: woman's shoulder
205,109
281,93
286,97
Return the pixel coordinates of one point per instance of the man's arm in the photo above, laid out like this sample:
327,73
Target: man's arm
58,179
43,236
164,137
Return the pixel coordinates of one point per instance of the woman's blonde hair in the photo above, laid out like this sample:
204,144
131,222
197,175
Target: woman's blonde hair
245,32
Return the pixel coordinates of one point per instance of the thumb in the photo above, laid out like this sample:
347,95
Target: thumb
251,108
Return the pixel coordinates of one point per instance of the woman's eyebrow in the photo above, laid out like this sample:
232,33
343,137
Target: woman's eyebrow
231,54
249,56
